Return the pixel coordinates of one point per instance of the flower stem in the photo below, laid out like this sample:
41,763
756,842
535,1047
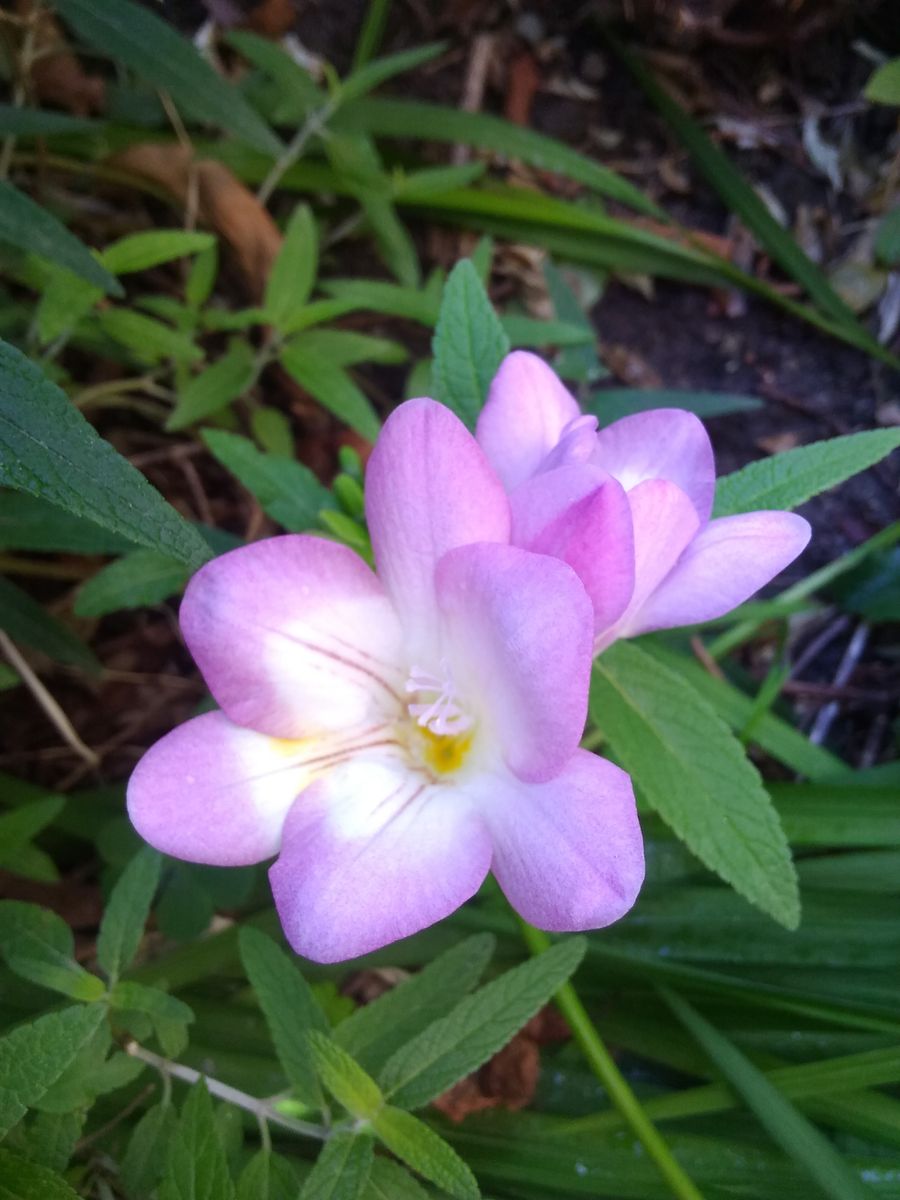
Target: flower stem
603,1065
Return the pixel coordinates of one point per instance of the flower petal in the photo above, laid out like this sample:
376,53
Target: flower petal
372,852
581,515
727,562
666,443
294,635
429,488
568,853
518,630
214,792
527,409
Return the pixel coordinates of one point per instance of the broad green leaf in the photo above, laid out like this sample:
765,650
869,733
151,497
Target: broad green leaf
38,945
420,1148
196,1168
29,227
151,247
347,348
146,339
154,51
797,1136
287,491
789,479
294,270
143,1164
216,386
42,122
342,1169
373,74
28,523
694,772
345,1079
169,1016
478,1027
140,578
51,1138
611,404
377,1030
468,344
127,909
93,1073
389,1181
331,386
24,1180
884,84
26,622
47,448
290,1009
268,1176
34,1056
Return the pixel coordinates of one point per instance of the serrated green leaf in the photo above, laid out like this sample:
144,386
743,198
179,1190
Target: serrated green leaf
143,1164
694,772
151,247
127,909
884,84
294,270
215,387
50,1138
26,622
788,479
287,491
24,1180
328,383
478,1027
27,523
268,1176
389,1181
420,1148
38,945
151,47
289,1006
468,344
48,449
33,1057
344,1078
149,341
143,577
342,1169
377,1030
29,227
169,1016
196,1168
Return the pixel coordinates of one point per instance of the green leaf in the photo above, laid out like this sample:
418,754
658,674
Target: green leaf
29,227
24,1180
272,430
331,386
468,344
17,828
26,622
389,1181
342,1169
350,1085
420,1148
838,814
154,51
377,1030
611,404
149,341
65,300
202,277
127,909
789,479
140,578
151,247
884,84
42,122
478,1027
47,448
267,1176
294,270
531,331
143,1164
347,348
216,387
169,1016
289,1006
34,1056
388,298
373,74
294,93
788,1128
50,1138
196,1168
38,945
887,237
287,491
28,523
694,772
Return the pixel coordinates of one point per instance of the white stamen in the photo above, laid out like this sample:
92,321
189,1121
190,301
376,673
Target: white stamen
443,714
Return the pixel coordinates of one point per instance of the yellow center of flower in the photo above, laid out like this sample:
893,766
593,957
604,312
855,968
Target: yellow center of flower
444,753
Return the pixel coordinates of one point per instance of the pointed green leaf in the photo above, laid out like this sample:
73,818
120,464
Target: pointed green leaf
144,1162
215,387
420,1148
151,247
884,84
38,945
366,78
389,1181
342,1169
468,344
196,1168
350,1085
27,523
268,1176
294,270
51,1138
126,912
26,622
328,383
143,577
24,1180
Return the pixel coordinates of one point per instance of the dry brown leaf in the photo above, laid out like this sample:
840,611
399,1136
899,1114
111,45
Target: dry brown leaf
57,76
779,442
629,367
271,18
523,81
223,204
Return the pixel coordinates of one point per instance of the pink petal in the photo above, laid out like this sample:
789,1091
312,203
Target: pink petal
568,853
294,635
429,488
666,443
727,562
526,412
372,852
214,792
518,631
581,515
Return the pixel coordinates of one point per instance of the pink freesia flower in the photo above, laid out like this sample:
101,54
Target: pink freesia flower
391,738
628,506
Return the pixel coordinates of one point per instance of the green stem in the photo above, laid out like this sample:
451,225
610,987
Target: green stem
603,1065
